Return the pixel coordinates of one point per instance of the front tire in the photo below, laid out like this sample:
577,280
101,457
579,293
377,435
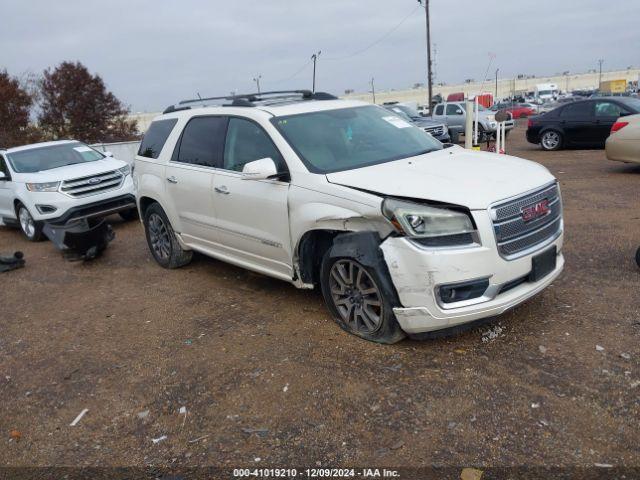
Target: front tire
31,229
162,240
353,295
638,257
551,140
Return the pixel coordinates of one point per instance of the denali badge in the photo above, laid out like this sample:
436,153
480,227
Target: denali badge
536,210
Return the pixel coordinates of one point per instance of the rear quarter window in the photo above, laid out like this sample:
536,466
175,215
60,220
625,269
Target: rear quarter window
155,138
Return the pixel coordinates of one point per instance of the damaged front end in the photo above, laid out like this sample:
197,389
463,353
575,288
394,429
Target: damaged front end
82,239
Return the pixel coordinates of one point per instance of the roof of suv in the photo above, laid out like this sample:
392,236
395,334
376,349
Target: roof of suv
279,103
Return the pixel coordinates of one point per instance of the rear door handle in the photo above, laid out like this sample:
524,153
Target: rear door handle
172,179
222,189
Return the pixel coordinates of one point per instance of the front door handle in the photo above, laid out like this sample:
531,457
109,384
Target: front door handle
222,189
172,179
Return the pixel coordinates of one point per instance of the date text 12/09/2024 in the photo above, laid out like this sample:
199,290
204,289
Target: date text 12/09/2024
315,473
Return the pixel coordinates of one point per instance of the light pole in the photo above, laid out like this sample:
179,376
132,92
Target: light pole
600,62
257,80
496,97
425,5
373,90
314,57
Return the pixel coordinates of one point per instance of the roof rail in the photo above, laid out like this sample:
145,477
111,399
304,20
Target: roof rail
254,99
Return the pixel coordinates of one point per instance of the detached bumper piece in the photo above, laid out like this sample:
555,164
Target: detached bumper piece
12,263
83,239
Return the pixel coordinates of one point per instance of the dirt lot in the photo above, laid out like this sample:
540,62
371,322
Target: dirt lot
268,379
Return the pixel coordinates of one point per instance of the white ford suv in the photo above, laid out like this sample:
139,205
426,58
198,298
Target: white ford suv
402,235
59,182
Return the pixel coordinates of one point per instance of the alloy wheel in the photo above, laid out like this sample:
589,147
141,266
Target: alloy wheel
356,296
26,222
159,236
550,140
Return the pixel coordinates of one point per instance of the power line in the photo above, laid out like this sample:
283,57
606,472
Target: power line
297,72
376,42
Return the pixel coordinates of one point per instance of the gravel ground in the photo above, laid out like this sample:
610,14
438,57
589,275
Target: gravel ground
266,378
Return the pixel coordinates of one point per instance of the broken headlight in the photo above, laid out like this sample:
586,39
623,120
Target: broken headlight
435,225
43,187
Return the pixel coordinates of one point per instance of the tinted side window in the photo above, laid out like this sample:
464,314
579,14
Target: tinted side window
578,109
155,137
246,142
452,109
439,109
608,109
202,141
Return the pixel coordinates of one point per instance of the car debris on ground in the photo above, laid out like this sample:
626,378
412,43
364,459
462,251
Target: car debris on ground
12,263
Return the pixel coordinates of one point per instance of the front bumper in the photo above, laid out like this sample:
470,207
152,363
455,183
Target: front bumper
67,208
418,271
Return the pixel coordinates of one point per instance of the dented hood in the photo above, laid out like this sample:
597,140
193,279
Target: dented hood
453,175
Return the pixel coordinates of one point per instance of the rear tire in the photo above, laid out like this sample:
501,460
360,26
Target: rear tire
551,140
162,240
358,305
638,257
31,229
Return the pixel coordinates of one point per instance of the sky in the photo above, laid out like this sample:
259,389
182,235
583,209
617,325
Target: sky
152,53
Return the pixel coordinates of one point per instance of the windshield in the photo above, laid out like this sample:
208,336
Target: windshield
52,156
400,113
347,138
545,92
633,103
411,112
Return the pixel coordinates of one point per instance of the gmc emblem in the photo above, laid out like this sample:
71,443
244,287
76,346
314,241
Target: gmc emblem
536,210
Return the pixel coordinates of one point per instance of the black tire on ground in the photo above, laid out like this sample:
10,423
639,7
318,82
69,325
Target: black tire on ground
638,257
454,136
370,315
161,239
551,140
131,214
30,229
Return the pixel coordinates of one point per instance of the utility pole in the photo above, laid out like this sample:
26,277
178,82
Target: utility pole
314,57
425,5
496,97
600,62
257,80
373,90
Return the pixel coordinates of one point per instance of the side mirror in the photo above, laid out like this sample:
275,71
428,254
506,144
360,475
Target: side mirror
3,177
107,154
458,112
259,169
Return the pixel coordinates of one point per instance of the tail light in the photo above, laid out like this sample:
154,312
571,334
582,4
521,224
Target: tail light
530,123
618,126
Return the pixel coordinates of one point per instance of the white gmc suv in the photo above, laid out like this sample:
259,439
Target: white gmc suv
60,182
402,235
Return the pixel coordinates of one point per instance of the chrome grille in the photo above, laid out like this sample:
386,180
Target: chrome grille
515,235
435,131
92,184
